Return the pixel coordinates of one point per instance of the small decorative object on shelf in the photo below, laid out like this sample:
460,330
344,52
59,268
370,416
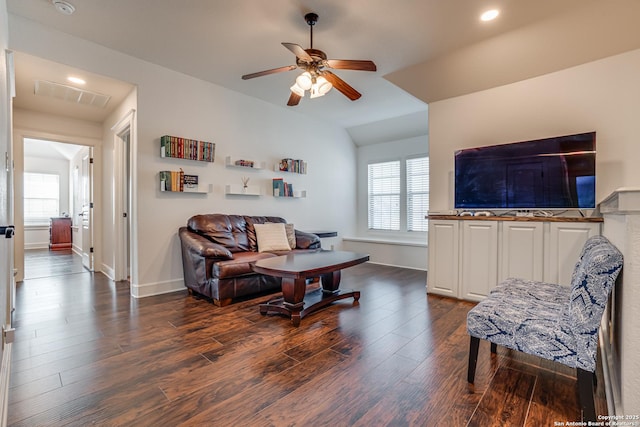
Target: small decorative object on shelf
237,190
243,163
190,149
291,165
245,184
285,189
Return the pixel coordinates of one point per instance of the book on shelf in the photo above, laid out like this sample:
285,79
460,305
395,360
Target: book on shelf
292,165
172,180
184,148
282,188
190,183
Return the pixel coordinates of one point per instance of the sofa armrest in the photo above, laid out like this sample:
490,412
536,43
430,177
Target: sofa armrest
306,240
201,246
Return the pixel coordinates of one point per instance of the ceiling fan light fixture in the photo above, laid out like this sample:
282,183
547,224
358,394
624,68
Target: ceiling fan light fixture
304,80
297,90
323,85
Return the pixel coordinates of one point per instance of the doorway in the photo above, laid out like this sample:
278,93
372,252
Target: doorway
58,227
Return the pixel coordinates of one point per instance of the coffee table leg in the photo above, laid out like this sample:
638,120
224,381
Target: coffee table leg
293,291
330,282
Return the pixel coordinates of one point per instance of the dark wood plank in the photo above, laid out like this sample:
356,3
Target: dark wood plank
502,404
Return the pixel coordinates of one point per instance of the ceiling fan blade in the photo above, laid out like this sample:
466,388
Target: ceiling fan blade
298,51
294,99
351,64
267,72
341,85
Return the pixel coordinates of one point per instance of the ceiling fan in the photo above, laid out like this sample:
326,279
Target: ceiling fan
316,78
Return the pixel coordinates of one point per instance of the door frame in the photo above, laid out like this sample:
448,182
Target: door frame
124,197
19,135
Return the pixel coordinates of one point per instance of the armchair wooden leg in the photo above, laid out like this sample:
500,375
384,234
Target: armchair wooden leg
473,358
585,392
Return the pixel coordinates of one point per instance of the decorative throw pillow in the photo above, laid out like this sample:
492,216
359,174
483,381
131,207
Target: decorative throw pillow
291,235
271,237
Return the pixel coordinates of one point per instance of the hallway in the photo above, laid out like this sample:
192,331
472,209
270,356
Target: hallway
39,263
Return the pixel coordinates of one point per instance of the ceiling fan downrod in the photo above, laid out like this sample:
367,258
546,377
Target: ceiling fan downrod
311,19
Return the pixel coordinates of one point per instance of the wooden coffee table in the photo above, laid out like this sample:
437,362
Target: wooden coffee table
295,269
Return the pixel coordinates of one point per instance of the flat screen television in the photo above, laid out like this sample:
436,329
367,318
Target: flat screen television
550,173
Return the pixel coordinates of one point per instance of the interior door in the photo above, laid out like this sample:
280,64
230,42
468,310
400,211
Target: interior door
87,210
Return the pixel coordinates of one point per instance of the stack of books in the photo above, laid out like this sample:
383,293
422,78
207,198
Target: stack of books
178,181
183,148
282,188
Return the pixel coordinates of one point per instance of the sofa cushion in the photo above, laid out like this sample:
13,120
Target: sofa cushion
291,235
238,266
229,231
271,237
251,231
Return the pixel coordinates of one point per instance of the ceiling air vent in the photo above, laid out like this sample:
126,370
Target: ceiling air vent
70,93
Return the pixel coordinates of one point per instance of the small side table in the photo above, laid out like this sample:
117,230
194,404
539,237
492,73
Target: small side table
323,234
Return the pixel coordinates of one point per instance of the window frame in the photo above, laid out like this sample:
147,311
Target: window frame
403,202
44,219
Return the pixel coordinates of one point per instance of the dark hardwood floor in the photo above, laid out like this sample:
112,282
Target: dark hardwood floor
86,353
45,263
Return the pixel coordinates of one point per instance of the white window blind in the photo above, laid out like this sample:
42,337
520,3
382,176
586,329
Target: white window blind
384,196
417,193
41,196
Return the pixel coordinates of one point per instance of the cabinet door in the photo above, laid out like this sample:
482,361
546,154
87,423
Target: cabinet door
564,246
479,266
521,251
442,276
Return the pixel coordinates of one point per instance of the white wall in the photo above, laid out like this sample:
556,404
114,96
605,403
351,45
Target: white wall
401,249
172,103
603,96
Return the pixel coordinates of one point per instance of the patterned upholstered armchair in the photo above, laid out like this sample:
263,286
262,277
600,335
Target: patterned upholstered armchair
558,323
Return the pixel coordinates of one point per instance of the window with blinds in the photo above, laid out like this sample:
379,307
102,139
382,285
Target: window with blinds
417,193
41,197
384,196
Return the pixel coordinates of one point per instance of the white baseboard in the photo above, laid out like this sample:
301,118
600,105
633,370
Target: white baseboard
108,271
158,288
38,245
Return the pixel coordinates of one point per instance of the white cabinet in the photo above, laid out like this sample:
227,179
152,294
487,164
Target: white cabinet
442,277
468,257
564,246
479,264
521,250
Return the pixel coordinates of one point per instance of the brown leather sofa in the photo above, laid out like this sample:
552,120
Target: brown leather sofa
218,250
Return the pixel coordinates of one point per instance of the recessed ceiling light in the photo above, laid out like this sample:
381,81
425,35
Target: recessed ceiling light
63,7
490,15
76,80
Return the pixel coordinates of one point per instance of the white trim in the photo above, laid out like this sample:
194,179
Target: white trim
36,245
125,121
158,288
123,236
397,266
397,242
108,271
614,403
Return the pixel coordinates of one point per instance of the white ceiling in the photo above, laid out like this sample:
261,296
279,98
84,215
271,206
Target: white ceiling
50,149
220,40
